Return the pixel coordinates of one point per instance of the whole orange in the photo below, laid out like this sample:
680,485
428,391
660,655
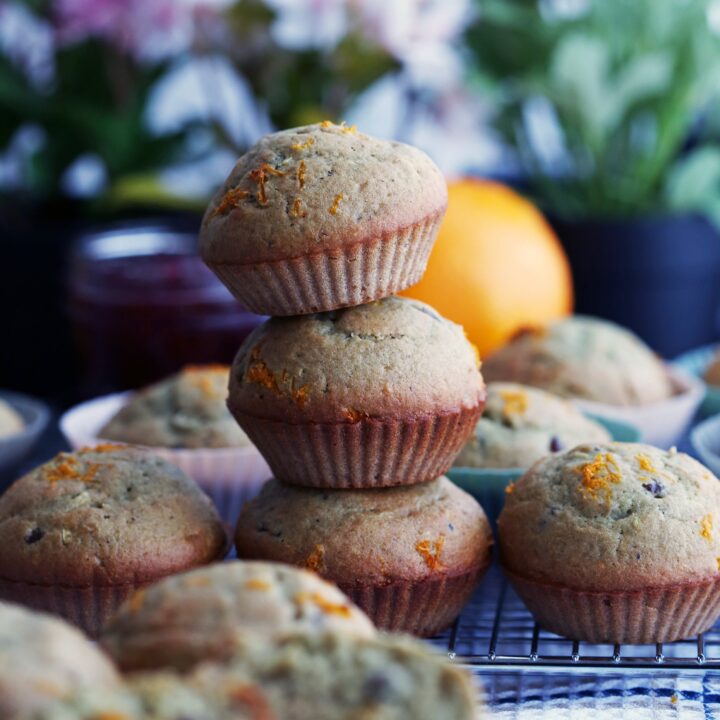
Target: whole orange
496,266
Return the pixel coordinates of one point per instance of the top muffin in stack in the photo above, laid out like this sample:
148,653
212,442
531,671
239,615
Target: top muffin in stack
321,217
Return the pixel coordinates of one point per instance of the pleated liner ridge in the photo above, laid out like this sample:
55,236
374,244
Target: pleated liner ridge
365,454
86,607
341,277
421,608
655,615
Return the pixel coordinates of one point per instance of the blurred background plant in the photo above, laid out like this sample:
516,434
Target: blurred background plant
605,106
150,101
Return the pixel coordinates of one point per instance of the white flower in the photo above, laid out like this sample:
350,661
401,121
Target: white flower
302,24
28,43
85,177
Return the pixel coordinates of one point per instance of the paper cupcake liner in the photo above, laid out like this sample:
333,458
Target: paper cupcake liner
87,607
366,454
341,277
421,608
654,615
230,476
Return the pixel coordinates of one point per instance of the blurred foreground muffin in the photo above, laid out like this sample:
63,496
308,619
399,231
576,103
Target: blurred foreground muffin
207,614
410,556
310,676
712,373
43,660
583,357
376,395
321,217
11,422
83,531
521,424
615,543
186,410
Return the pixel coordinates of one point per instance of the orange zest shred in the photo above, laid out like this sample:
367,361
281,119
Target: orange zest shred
336,203
645,463
354,415
515,402
303,145
102,448
431,551
316,559
674,698
260,374
329,608
348,129
296,210
66,467
257,584
230,201
300,174
706,527
259,176
326,123
251,698
300,396
137,600
509,489
597,476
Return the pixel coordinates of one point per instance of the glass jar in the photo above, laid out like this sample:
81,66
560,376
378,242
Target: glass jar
143,304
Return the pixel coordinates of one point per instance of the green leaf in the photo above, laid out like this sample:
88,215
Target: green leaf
695,183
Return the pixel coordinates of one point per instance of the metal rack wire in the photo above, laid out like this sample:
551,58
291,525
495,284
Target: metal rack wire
495,631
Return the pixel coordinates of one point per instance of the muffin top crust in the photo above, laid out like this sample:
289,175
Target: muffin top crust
615,516
393,357
521,424
310,189
583,357
367,536
186,410
104,516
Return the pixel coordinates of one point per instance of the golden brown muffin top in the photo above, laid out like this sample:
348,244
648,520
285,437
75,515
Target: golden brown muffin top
207,613
615,516
521,424
105,516
359,537
186,410
583,357
390,358
314,188
43,659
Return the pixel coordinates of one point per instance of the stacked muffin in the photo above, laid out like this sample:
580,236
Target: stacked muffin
358,400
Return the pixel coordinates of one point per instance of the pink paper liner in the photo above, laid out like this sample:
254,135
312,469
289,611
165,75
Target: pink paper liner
341,277
366,454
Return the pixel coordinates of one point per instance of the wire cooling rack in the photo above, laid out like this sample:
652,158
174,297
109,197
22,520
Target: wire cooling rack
495,631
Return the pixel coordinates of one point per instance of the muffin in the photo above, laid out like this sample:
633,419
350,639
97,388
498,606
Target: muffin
43,660
83,531
409,556
186,410
615,543
321,217
206,614
583,357
376,395
11,422
310,676
521,424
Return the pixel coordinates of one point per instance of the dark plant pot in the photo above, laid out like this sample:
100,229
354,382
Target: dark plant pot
658,276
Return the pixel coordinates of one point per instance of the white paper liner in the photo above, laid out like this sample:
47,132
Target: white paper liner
230,476
660,423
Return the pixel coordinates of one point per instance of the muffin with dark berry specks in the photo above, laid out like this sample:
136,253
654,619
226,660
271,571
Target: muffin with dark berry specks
80,533
209,613
321,217
409,556
521,424
615,543
380,394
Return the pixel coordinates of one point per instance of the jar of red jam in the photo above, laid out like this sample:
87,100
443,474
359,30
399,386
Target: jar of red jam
143,305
